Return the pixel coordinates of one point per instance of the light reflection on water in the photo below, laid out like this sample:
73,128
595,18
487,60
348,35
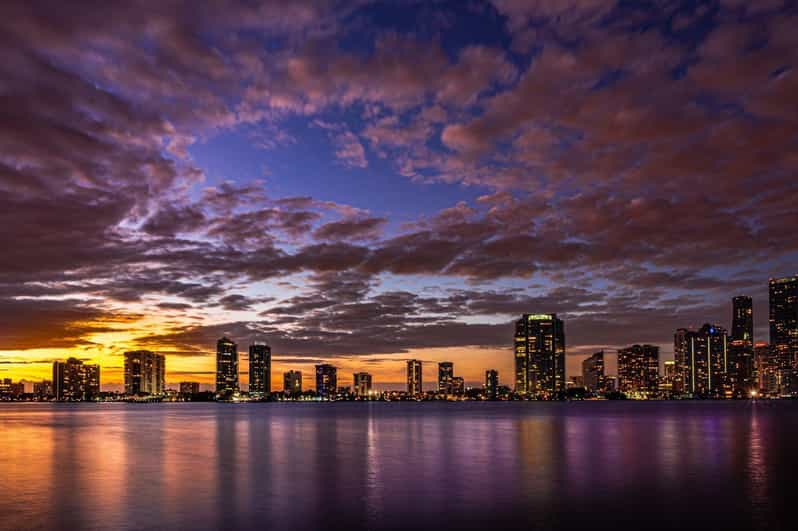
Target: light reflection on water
599,465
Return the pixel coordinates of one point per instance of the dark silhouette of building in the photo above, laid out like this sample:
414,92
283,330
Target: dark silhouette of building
74,380
539,354
414,380
702,360
362,384
260,370
458,386
292,383
226,367
189,388
144,373
593,372
326,380
638,369
492,384
741,367
43,389
784,330
445,377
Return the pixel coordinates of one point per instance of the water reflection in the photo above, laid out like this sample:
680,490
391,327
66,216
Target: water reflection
386,466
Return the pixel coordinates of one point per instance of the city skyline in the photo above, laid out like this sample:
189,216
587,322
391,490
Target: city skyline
172,175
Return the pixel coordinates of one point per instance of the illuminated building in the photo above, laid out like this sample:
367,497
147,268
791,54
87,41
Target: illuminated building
445,377
668,376
326,380
491,384
767,369
638,369
741,369
575,381
701,360
144,373
784,329
458,386
260,370
362,383
9,389
189,388
414,381
226,367
539,354
74,380
43,389
292,383
593,372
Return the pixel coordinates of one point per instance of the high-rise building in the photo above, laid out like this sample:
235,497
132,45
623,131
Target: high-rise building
593,372
260,370
458,386
226,367
326,380
43,389
74,380
638,369
784,330
539,354
414,381
741,369
362,384
668,377
189,388
702,361
767,369
144,373
292,383
492,384
445,377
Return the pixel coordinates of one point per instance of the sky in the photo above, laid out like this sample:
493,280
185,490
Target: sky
362,183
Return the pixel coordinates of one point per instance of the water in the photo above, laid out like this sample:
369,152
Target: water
588,465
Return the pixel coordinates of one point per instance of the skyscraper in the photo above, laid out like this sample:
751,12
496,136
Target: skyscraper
767,369
741,369
292,383
638,369
326,380
593,372
75,380
458,386
144,373
260,370
539,354
491,384
414,382
226,367
784,330
445,377
362,384
702,360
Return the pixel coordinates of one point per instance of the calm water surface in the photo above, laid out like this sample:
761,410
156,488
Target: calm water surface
591,465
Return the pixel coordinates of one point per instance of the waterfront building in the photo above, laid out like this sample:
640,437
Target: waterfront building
189,388
144,373
783,320
491,384
741,367
43,389
668,377
75,380
458,386
414,380
260,370
362,384
445,377
767,369
702,360
638,369
326,380
226,367
593,372
292,383
539,354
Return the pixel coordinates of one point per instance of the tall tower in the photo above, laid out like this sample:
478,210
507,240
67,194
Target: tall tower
326,380
741,367
539,354
144,373
593,372
226,367
414,383
784,330
445,377
260,370
702,361
492,384
638,369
